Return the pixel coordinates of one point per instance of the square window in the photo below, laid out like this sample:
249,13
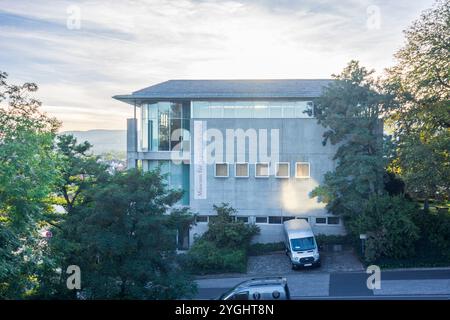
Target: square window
275,220
321,220
262,170
302,170
261,219
288,218
306,219
241,170
201,219
333,220
221,170
282,170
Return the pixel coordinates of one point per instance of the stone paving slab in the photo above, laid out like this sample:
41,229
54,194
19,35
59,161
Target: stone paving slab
278,264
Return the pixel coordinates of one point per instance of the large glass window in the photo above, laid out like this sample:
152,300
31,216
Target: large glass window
176,175
251,109
164,125
176,134
164,130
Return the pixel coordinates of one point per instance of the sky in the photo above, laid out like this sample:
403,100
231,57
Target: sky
81,53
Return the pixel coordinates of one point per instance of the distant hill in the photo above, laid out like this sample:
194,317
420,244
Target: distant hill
103,141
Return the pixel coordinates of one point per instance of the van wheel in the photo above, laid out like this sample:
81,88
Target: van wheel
294,267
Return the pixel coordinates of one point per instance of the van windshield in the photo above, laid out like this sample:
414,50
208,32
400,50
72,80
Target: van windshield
303,244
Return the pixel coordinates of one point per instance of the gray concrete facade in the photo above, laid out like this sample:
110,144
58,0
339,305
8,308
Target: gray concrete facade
300,140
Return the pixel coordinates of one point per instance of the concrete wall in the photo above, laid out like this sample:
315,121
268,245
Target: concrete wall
300,141
131,143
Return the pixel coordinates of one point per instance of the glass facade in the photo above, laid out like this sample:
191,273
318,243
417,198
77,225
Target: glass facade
177,175
163,125
251,109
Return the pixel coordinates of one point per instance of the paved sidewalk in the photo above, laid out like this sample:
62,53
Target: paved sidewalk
407,283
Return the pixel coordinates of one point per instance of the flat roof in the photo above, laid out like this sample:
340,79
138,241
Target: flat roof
229,89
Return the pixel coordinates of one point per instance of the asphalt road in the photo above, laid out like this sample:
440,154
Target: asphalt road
407,284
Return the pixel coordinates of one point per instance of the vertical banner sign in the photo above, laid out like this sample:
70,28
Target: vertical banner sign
199,159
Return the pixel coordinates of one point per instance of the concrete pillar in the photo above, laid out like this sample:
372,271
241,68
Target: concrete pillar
131,143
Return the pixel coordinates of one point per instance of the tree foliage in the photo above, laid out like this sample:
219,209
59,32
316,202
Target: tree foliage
388,223
420,82
125,239
79,170
351,110
27,175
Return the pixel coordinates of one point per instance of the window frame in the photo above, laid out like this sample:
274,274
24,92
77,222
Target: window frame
256,170
276,170
207,219
322,223
266,217
334,224
236,218
296,170
280,217
215,170
235,170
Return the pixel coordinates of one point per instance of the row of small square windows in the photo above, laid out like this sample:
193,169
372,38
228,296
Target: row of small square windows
282,170
273,219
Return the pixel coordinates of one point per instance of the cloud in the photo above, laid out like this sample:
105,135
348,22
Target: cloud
123,46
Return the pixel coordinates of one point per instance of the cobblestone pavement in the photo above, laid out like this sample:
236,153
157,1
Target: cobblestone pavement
335,260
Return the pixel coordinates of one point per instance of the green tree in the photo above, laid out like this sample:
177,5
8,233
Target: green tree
27,175
126,240
420,82
79,170
78,173
351,110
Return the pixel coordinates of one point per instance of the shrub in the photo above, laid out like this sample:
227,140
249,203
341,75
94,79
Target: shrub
257,249
223,248
323,239
435,230
388,223
206,257
225,232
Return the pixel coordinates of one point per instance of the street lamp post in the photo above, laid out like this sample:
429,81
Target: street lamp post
363,238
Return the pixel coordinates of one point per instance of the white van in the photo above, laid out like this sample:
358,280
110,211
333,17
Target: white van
301,245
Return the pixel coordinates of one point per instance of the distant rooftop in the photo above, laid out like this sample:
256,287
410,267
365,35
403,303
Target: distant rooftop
229,89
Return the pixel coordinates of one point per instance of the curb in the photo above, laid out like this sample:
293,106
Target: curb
417,269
